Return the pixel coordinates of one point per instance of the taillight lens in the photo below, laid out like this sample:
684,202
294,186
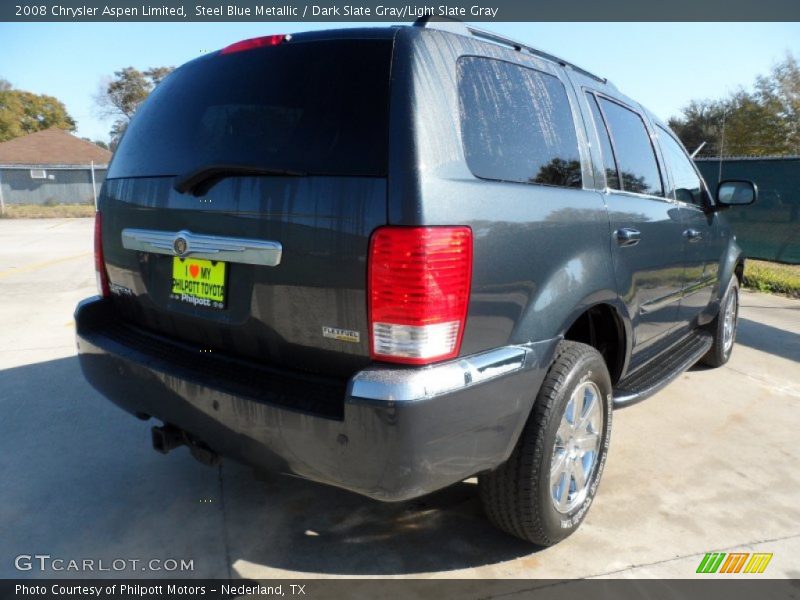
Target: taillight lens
418,291
99,262
259,42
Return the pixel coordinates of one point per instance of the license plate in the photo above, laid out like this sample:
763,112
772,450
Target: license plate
199,282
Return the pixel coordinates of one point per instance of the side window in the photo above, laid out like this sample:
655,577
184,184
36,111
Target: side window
516,124
632,147
609,163
686,181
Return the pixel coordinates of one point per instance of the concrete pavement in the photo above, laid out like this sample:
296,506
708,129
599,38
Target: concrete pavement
708,464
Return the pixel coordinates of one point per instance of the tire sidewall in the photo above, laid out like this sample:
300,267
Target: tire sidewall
590,368
733,291
722,355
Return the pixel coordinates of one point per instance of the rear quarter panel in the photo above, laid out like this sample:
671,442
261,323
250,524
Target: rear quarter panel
541,253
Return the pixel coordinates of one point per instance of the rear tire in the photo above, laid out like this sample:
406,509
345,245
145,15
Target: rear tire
724,327
542,493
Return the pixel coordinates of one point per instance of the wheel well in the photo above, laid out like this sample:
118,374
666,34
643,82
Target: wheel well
601,328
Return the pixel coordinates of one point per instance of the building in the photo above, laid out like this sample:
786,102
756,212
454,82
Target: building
51,167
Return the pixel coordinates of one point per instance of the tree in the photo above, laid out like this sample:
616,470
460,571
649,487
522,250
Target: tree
120,96
781,93
23,112
753,128
758,123
100,143
701,122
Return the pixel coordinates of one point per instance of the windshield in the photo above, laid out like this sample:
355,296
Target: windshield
319,108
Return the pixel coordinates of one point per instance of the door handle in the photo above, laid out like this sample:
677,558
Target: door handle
693,235
627,236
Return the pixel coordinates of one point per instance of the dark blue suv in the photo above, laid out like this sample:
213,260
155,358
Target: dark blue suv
392,259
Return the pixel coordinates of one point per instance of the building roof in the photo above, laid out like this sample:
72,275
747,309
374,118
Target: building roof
51,147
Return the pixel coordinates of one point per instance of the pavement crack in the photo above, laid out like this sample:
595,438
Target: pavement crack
224,522
690,555
772,383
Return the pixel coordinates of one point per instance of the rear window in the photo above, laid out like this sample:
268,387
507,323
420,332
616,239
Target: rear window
314,107
516,124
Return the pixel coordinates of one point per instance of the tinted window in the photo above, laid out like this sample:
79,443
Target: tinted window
685,180
516,124
609,164
316,107
635,156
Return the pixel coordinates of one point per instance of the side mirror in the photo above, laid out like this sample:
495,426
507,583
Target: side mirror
736,192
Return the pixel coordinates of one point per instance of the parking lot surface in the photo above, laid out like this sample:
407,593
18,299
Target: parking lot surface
708,464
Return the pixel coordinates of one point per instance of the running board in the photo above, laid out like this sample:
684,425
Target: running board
661,371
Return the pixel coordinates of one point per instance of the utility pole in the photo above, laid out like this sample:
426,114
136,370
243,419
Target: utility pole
94,186
721,147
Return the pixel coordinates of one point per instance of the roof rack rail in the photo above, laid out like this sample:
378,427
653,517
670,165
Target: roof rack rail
461,28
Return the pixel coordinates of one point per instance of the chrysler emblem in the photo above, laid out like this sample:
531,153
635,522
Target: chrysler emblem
179,245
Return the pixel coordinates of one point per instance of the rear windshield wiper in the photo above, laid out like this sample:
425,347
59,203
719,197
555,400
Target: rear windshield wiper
200,180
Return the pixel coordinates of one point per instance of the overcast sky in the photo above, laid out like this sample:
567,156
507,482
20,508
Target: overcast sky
662,65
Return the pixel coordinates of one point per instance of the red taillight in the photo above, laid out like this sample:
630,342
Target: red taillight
418,292
259,42
99,262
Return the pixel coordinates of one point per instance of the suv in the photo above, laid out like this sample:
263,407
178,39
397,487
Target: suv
391,259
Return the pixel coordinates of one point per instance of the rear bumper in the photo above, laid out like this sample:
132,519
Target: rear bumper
399,432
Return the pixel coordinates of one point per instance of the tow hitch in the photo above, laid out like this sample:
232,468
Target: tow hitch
168,437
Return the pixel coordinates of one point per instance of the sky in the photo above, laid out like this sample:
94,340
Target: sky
662,65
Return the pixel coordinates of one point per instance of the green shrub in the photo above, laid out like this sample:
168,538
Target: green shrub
772,277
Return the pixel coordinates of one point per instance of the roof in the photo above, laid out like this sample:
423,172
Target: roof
51,147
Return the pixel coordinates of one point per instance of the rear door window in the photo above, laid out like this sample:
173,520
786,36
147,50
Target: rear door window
516,124
633,150
319,108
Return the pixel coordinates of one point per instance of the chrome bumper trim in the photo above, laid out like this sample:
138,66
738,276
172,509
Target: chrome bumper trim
409,384
211,247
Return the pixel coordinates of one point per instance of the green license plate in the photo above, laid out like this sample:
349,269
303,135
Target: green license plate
198,282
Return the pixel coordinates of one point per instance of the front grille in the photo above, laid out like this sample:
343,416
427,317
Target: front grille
302,392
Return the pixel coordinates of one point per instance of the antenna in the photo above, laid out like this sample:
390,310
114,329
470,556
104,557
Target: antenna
700,147
443,24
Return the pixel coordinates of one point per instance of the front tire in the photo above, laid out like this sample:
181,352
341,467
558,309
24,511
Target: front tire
542,493
724,327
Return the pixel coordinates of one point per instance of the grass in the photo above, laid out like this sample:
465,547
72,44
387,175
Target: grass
43,211
772,277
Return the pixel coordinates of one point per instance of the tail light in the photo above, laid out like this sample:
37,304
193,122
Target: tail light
99,262
259,42
418,292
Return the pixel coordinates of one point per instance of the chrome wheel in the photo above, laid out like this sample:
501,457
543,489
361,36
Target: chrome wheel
576,448
729,321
